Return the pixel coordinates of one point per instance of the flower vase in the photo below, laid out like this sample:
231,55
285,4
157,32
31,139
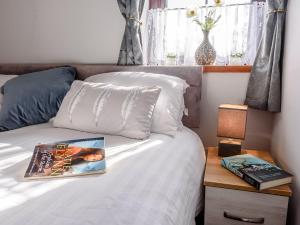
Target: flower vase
205,53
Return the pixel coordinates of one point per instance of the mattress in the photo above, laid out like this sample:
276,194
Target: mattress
155,181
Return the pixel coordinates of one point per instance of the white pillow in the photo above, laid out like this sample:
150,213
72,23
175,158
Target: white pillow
170,104
3,80
107,108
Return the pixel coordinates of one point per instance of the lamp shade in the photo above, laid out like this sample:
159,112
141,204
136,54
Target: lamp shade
232,121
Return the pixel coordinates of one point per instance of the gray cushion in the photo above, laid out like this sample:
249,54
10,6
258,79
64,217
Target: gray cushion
34,98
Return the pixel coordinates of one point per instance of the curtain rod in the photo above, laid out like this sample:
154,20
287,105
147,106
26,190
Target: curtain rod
211,6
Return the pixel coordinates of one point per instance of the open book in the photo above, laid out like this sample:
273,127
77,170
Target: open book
67,158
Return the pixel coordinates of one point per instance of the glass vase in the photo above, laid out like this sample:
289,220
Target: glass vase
205,53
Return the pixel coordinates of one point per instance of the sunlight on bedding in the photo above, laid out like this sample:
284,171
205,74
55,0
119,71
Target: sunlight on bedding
13,193
8,162
10,149
111,151
4,145
118,153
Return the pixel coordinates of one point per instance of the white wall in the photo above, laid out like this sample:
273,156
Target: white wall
43,31
220,88
286,136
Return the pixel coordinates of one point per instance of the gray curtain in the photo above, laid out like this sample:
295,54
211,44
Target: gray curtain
131,47
264,88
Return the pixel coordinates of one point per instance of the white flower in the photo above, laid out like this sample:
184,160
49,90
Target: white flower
191,13
218,2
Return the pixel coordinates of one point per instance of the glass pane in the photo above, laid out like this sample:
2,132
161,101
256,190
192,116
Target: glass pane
227,2
193,3
175,33
185,3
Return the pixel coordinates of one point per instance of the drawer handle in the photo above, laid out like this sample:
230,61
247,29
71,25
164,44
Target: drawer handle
243,219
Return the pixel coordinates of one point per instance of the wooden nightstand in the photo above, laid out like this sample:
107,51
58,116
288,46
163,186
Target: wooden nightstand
231,201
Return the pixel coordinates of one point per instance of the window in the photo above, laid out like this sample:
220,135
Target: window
173,38
191,3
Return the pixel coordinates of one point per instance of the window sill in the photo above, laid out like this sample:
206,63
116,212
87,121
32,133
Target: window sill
227,69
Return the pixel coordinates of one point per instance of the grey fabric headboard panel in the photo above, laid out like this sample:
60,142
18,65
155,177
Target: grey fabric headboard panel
192,75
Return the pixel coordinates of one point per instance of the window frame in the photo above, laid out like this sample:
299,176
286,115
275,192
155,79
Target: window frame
226,69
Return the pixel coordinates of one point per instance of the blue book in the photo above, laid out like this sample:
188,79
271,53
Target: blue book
67,158
257,172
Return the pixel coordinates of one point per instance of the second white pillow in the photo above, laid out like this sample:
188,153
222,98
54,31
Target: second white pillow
107,108
170,104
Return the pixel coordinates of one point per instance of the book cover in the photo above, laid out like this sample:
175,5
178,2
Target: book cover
67,158
257,172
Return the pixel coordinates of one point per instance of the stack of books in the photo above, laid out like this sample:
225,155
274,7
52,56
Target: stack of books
257,172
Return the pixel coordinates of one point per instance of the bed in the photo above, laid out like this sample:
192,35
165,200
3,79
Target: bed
157,181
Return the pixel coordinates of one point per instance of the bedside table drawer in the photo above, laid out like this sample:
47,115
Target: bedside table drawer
234,207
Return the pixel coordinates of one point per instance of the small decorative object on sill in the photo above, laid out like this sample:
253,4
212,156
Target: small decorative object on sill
236,59
231,128
171,59
205,53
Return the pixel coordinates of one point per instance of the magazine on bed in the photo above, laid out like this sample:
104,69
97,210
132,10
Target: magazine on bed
67,158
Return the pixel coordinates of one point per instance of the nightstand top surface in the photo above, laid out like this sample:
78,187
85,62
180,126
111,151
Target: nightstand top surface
218,176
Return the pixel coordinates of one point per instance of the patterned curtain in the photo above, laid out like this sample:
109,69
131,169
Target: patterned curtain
264,88
131,47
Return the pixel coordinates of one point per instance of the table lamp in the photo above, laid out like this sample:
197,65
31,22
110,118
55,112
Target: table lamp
231,128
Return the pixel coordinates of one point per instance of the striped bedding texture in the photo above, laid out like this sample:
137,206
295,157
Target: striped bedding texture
155,181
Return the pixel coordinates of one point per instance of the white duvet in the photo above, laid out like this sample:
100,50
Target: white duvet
155,181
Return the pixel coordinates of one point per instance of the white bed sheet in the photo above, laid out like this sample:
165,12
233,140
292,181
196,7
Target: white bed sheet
156,181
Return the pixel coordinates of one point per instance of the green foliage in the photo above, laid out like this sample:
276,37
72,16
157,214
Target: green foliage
171,55
209,22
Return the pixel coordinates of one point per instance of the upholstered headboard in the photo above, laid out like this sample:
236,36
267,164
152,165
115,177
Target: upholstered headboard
192,75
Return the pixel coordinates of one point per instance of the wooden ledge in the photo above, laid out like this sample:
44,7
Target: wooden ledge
227,69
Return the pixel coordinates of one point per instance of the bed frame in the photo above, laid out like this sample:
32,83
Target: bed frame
192,75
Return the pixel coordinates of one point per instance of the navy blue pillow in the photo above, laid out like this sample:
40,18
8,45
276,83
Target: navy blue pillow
34,98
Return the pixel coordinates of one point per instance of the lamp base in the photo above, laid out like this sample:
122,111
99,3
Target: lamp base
229,147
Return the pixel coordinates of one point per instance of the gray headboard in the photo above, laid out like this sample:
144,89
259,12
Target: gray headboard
192,75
